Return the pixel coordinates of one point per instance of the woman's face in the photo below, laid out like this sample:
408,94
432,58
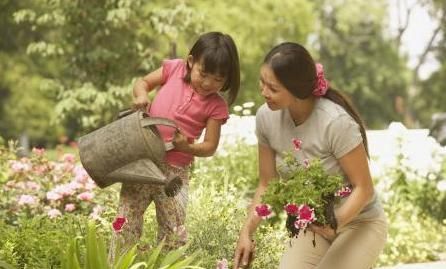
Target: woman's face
275,94
204,83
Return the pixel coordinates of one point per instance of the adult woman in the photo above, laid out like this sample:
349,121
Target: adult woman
300,104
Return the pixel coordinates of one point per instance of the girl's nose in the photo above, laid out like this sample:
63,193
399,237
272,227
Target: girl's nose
264,92
206,84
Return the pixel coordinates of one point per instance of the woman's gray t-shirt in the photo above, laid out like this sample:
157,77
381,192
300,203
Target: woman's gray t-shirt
328,134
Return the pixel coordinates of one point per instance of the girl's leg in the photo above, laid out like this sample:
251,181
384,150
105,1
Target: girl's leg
300,253
171,212
133,202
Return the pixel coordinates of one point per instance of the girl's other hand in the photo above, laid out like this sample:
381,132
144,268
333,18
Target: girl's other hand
141,103
181,142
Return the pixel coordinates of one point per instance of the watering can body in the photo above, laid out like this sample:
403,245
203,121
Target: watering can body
128,150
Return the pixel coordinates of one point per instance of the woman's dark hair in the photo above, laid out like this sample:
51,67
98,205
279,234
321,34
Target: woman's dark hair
218,54
294,67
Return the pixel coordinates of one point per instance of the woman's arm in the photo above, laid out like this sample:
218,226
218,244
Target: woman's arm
356,168
207,147
267,171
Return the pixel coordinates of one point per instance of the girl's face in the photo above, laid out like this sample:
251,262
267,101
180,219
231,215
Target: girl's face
275,94
204,83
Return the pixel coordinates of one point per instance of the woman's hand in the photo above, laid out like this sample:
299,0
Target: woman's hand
244,253
325,231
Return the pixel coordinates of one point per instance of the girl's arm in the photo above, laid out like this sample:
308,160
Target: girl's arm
207,147
144,85
356,168
267,171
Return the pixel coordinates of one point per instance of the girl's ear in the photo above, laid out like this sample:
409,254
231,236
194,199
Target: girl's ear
190,61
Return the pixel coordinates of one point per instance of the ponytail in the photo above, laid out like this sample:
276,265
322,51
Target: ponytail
342,100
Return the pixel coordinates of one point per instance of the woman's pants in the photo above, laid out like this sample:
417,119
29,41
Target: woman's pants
356,246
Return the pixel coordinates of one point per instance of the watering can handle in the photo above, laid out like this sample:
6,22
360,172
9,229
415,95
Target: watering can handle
145,122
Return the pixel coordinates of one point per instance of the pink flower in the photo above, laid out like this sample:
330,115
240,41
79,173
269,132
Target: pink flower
264,211
20,166
343,192
306,213
119,223
297,144
80,174
321,83
97,211
68,158
222,264
306,163
70,207
54,213
25,199
86,196
181,232
301,224
39,151
291,209
53,195
32,186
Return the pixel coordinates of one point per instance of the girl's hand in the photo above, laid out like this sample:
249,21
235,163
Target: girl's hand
141,102
180,142
244,253
325,231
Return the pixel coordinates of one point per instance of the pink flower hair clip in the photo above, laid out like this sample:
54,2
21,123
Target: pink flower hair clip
321,82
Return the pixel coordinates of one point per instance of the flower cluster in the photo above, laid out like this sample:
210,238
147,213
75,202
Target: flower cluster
35,185
307,196
321,83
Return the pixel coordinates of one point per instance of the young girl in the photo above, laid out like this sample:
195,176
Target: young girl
301,105
191,95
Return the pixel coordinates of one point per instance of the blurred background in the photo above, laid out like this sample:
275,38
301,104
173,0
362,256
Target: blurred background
67,67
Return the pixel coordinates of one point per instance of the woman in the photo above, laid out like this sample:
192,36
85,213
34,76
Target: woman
300,104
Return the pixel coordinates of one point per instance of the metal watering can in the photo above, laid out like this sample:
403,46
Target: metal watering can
128,150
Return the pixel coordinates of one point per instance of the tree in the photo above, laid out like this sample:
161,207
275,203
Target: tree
24,110
97,47
360,60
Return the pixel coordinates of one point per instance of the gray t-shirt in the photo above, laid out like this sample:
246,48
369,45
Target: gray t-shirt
328,134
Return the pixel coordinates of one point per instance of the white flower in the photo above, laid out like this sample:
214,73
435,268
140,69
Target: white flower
248,104
237,108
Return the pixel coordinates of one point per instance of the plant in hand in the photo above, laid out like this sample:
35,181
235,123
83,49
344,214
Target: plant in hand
307,196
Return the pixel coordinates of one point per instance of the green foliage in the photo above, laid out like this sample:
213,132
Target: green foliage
99,46
35,242
414,236
220,191
233,166
306,185
95,256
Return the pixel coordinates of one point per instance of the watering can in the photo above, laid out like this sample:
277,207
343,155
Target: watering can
128,150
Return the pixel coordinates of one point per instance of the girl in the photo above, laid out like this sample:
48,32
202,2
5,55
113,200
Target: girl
190,94
300,104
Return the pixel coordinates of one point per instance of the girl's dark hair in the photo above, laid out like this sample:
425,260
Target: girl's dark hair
294,67
218,54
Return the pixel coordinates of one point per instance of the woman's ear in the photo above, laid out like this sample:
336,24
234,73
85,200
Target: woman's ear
190,61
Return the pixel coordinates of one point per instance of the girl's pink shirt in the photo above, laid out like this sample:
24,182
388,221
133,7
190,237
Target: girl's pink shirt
177,100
